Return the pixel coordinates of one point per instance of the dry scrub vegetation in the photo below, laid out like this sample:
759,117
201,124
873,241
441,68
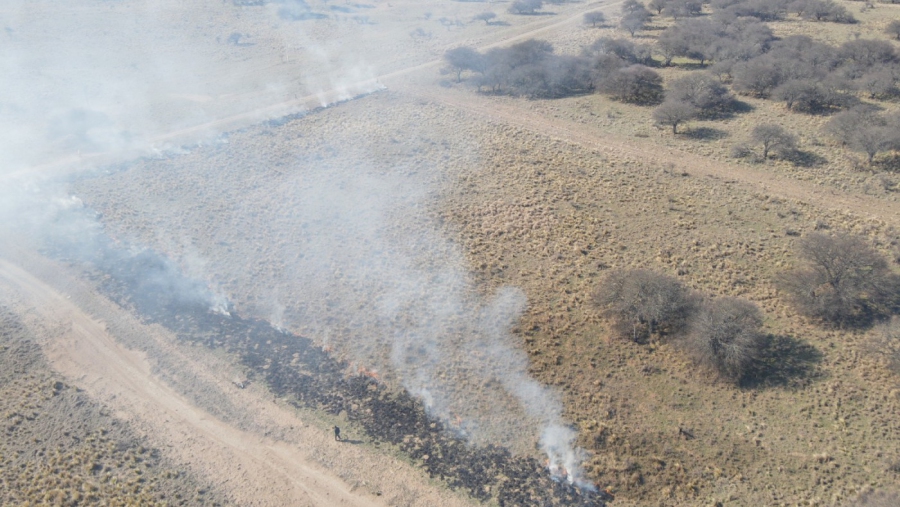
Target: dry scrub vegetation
60,448
552,217
809,418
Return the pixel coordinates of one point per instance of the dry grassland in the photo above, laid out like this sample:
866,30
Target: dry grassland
59,447
550,216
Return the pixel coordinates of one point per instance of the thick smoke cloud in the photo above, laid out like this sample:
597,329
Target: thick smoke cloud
393,292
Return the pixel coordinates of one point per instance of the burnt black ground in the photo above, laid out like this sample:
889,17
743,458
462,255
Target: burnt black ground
153,287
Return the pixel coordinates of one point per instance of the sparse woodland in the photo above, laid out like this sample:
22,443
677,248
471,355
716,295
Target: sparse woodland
827,104
734,54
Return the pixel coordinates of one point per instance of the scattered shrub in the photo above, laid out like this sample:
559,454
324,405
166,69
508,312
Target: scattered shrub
843,281
487,17
525,6
703,91
636,84
725,335
774,138
886,343
741,150
893,29
876,499
642,303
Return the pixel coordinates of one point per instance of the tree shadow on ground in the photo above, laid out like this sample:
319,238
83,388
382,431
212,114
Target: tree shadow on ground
890,162
783,361
705,133
728,111
801,158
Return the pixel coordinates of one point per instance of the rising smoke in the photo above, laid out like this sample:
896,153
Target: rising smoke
364,269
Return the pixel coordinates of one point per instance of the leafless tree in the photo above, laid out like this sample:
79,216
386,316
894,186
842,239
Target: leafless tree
773,138
594,18
843,281
673,113
642,303
633,23
863,129
464,58
725,335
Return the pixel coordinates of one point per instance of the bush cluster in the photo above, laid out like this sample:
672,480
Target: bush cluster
722,333
807,75
532,69
842,281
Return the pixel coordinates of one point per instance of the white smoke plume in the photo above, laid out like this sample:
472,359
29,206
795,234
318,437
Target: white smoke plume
365,268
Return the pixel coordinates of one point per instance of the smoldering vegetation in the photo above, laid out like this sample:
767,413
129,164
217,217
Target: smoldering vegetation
402,298
294,368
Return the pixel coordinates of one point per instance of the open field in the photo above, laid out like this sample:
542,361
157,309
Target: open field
449,243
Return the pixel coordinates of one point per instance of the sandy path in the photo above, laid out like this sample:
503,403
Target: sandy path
757,180
253,469
85,352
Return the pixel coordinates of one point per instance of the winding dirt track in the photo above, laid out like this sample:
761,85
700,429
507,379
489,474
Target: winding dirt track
262,471
756,180
254,470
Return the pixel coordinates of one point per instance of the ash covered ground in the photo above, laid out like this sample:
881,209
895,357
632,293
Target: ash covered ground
327,226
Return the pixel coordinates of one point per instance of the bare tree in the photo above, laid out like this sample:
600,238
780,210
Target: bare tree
658,5
842,281
725,335
773,138
487,17
863,129
594,18
642,303
464,58
634,7
673,113
633,23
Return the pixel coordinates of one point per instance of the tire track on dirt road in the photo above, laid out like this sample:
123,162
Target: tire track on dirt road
250,467
87,353
495,111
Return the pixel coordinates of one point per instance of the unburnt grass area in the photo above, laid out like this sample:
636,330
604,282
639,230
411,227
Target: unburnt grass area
819,157
60,448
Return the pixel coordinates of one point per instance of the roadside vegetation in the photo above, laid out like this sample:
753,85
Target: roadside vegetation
730,51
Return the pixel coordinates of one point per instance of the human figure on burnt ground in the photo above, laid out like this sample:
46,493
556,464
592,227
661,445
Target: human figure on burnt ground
337,433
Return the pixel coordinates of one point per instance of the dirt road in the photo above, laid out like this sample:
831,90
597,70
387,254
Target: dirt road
251,467
755,180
